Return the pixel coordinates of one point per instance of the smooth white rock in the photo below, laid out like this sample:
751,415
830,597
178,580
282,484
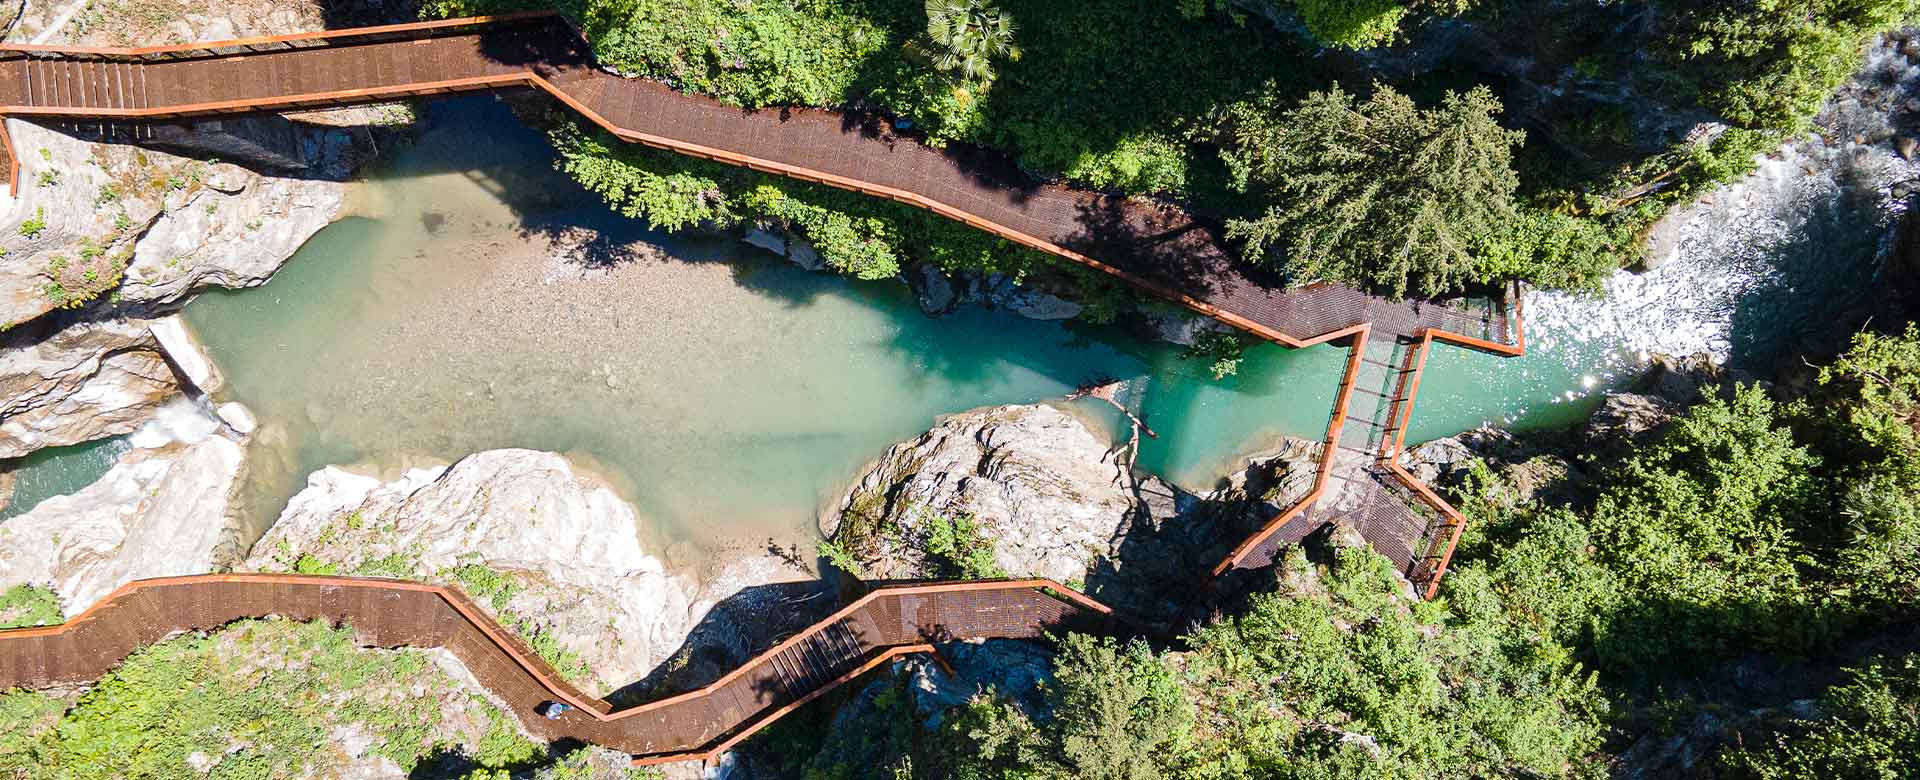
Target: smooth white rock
157,513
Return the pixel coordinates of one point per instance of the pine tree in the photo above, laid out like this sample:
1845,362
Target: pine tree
1381,194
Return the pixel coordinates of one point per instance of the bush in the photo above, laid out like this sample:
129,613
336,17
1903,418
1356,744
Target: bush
253,700
856,235
1871,729
1772,65
1358,680
1352,25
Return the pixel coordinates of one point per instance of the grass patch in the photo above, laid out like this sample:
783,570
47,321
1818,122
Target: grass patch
23,606
259,699
497,590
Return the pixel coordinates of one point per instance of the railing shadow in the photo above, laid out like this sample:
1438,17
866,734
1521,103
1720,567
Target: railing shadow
739,627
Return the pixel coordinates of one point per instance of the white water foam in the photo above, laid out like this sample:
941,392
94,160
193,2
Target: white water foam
1808,212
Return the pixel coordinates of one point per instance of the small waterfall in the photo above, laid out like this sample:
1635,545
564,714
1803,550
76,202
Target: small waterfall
1775,259
181,420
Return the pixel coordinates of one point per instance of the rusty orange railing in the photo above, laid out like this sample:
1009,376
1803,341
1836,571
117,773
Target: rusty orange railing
699,724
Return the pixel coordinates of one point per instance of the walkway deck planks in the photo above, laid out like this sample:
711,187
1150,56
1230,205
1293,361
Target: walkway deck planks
392,613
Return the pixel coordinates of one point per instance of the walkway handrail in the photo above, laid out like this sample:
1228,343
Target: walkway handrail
110,83
391,613
263,43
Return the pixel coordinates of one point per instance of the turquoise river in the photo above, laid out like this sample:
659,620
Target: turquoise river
479,299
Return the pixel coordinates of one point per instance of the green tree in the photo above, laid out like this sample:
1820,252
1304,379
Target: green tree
966,37
1772,63
1380,193
1340,675
1118,713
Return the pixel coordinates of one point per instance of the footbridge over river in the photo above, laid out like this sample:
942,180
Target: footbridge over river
1360,480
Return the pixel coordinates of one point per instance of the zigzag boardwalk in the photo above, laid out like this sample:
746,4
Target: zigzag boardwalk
1360,479
698,724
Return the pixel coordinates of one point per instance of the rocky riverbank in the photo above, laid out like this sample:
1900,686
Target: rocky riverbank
939,292
160,511
546,549
1031,491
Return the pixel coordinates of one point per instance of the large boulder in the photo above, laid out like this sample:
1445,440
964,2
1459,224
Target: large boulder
83,382
1042,495
158,512
547,550
1036,483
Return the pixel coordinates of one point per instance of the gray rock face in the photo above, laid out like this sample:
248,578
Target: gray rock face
146,225
933,290
785,243
1181,327
1625,417
568,544
158,512
88,381
1012,668
1034,480
1027,302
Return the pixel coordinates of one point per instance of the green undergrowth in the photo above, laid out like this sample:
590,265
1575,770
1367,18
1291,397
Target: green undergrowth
946,546
23,606
258,699
1339,674
494,589
497,590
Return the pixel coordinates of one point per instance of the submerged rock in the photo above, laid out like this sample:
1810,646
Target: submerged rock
87,381
158,512
933,290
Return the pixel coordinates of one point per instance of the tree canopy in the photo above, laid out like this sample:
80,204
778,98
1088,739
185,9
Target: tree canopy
1381,193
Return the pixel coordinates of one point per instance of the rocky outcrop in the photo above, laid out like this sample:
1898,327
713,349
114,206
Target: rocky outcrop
1034,492
547,550
84,382
158,512
558,552
148,227
1032,479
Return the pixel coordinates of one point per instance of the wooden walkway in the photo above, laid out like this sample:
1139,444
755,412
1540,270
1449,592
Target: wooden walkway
1362,481
1160,249
1154,246
698,724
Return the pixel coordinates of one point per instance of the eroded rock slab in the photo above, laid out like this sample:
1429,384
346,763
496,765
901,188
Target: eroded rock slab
1033,479
551,551
84,382
157,513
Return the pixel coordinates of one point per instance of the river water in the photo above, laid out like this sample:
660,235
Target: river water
724,391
